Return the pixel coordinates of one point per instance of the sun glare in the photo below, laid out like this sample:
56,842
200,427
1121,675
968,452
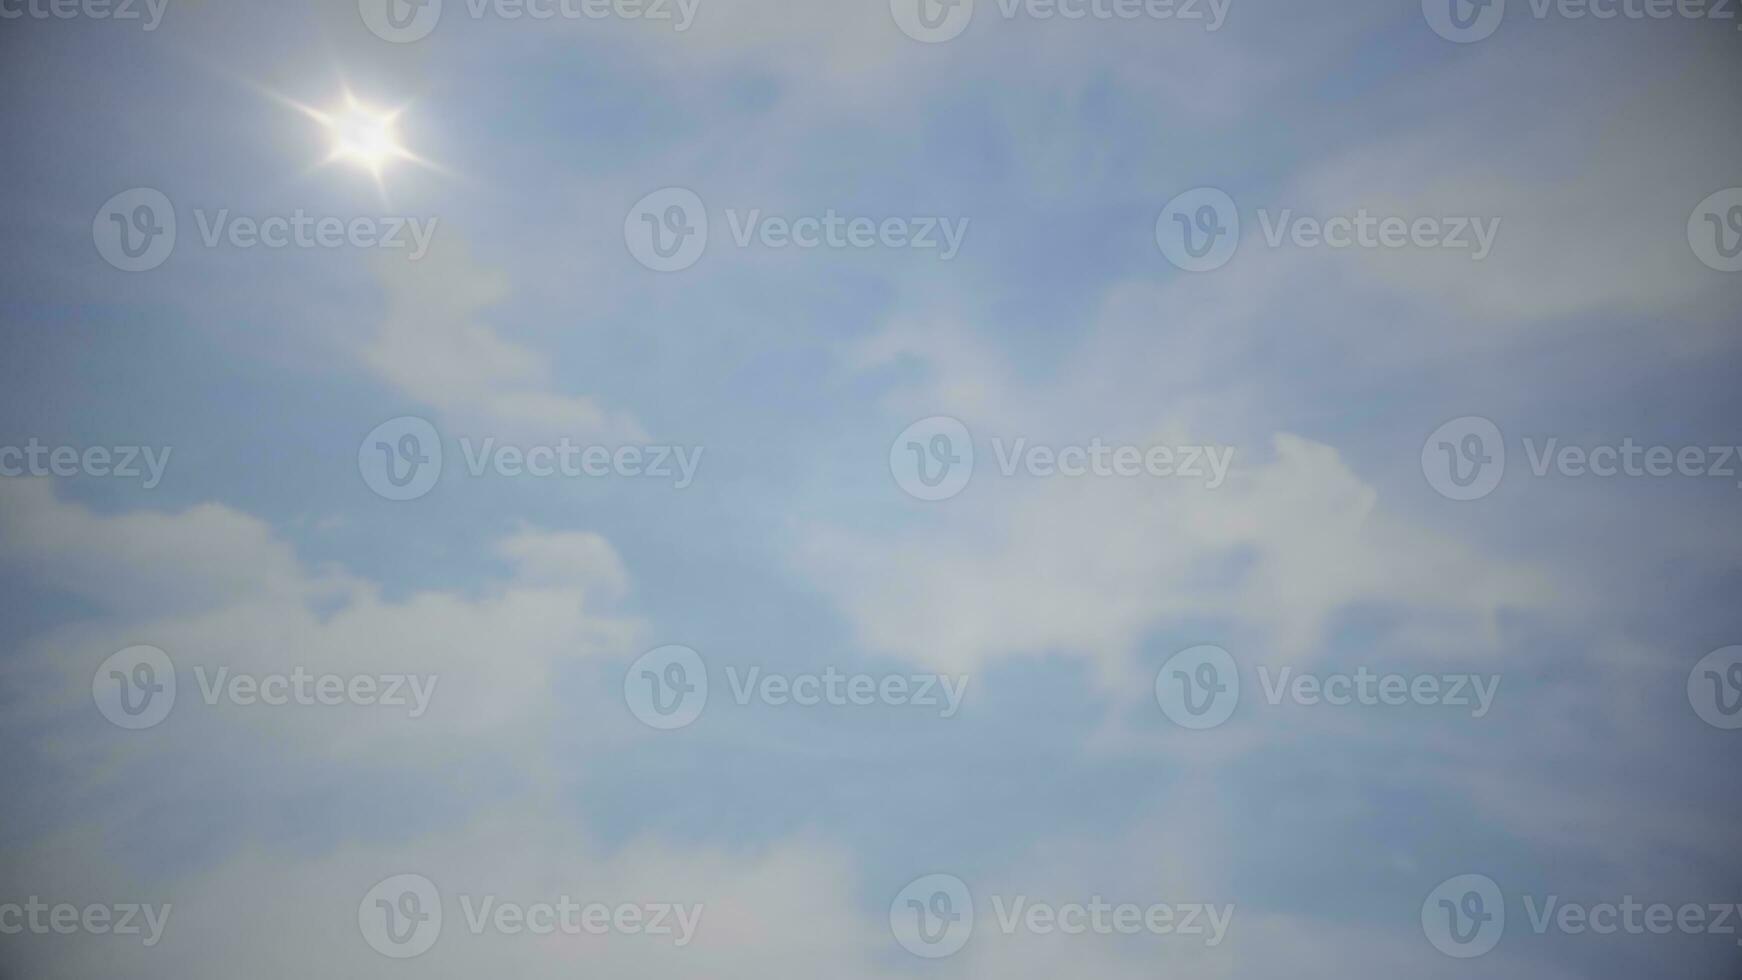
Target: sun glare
359,134
364,136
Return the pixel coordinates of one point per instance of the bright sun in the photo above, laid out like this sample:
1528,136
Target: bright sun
360,134
363,136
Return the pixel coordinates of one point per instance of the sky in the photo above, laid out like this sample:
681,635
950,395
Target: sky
870,488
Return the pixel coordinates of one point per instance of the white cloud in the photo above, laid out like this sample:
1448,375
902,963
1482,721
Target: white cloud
434,346
1020,566
782,911
240,599
144,562
214,588
1593,194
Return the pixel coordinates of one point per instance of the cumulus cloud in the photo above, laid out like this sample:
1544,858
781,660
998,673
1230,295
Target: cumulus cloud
218,591
777,912
1086,566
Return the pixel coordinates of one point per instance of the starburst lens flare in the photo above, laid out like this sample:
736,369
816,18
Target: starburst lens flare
364,136
359,134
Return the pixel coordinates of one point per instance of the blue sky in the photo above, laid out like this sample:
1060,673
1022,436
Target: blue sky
1060,321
